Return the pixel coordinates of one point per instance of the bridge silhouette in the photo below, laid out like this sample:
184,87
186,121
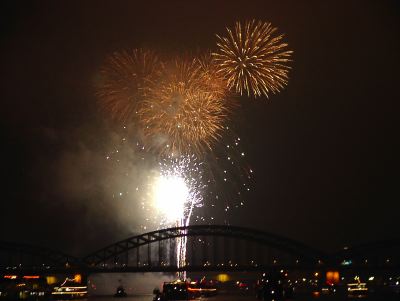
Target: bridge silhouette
209,248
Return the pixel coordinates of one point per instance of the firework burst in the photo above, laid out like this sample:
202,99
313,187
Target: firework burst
212,80
177,189
125,81
253,59
183,114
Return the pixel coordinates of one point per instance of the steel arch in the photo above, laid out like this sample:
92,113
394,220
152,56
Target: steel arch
291,246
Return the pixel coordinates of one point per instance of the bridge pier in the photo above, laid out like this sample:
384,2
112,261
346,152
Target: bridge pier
148,255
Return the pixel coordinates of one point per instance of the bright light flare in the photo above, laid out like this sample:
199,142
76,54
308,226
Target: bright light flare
171,194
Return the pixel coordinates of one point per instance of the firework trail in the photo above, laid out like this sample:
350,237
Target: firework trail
183,114
169,189
181,182
253,59
126,79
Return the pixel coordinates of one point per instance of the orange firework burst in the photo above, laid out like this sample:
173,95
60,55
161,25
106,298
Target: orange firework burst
125,81
182,115
211,78
252,59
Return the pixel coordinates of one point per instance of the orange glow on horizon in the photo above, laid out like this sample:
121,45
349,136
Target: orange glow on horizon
223,277
332,277
31,277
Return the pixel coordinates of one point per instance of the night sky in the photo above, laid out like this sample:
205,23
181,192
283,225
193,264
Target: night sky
324,151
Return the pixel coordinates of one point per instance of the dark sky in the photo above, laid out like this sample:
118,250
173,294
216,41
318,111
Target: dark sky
324,151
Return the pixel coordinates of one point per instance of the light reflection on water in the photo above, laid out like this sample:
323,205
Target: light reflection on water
112,298
148,297
238,297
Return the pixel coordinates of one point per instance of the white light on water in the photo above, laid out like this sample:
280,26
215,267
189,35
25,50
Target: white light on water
170,196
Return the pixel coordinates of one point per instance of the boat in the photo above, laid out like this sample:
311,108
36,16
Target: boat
69,289
357,289
177,290
120,292
70,292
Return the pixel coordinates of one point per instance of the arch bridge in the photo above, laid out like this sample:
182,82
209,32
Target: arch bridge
209,248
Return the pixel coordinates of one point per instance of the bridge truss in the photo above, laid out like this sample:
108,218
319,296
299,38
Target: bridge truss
209,247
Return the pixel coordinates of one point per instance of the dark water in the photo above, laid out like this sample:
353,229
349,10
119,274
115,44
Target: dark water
143,284
129,298
233,297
